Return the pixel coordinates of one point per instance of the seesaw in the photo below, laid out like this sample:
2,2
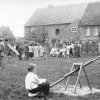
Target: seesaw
76,68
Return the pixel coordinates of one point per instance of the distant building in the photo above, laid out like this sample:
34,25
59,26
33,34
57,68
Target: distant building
74,22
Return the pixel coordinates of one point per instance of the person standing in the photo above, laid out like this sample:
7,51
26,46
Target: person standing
31,53
26,51
36,52
41,51
1,54
20,50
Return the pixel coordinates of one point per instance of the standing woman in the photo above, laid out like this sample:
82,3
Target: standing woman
33,84
41,51
36,51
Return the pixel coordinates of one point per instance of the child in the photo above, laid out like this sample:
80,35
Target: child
33,84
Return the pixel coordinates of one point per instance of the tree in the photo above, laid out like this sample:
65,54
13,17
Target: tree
39,34
36,34
6,33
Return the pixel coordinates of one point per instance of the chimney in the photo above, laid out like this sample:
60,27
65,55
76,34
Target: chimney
50,6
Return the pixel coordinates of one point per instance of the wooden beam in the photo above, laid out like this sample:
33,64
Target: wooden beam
66,76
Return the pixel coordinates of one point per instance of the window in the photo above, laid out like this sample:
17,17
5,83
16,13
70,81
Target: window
95,31
88,31
57,31
73,29
32,29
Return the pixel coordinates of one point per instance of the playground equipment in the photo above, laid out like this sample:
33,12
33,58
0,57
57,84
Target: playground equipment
76,68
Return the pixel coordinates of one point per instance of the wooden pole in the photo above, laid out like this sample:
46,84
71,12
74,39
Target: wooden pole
77,79
80,83
87,78
68,78
69,74
91,61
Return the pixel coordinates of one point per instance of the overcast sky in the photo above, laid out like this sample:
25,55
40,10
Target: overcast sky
15,13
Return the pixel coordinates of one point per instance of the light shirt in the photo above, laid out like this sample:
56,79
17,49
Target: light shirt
31,81
30,48
41,50
36,54
68,49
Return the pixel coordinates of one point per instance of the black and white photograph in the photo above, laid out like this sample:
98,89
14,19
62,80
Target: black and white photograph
49,49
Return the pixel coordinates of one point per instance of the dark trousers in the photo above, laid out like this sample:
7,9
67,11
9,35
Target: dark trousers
20,56
26,55
44,88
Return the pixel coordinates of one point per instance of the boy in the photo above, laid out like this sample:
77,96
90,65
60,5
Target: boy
33,84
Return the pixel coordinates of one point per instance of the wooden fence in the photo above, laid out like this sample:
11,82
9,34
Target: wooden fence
90,48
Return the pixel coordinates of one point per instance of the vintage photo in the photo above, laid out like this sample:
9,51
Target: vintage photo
49,49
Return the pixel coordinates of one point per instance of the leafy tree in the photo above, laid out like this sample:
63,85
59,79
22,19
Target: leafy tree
37,34
6,33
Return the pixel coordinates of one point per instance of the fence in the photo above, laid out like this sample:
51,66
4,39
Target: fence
90,48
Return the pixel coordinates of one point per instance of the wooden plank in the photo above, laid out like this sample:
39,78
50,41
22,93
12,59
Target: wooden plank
66,76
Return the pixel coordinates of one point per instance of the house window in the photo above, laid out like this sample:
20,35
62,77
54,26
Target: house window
95,31
57,31
32,29
88,31
73,29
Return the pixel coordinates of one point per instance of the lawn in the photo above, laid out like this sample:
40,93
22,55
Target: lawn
12,77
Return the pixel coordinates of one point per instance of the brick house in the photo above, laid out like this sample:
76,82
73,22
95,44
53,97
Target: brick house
90,23
58,22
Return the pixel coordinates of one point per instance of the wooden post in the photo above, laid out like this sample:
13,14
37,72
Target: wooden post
87,78
77,79
80,84
68,78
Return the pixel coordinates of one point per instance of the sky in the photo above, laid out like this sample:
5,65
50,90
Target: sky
15,13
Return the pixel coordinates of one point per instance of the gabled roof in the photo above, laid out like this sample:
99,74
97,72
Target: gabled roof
56,14
91,15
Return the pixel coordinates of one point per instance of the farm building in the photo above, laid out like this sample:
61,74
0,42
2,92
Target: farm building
66,22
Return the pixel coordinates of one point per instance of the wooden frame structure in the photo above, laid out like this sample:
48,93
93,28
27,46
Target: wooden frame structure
79,67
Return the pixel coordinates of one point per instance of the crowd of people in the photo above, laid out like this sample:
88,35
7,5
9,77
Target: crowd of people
66,50
35,51
27,51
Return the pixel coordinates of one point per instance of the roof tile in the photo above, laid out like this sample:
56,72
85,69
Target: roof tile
57,14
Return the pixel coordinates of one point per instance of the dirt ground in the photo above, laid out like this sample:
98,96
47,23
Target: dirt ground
13,75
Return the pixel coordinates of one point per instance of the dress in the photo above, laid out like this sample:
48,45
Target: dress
41,49
36,53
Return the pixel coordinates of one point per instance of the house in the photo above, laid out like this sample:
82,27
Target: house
58,22
90,23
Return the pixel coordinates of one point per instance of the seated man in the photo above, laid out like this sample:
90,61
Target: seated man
33,84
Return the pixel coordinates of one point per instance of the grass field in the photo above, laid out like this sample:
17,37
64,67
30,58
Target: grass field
12,77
